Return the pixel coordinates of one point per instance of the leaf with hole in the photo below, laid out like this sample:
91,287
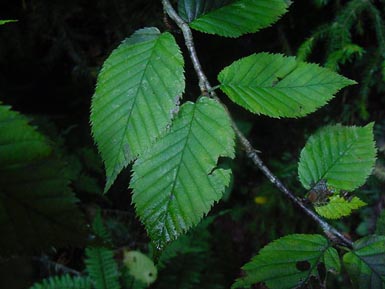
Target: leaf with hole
366,263
231,18
338,207
177,181
37,208
138,90
343,156
279,86
290,262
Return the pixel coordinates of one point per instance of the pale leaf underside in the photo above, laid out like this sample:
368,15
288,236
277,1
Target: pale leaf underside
338,207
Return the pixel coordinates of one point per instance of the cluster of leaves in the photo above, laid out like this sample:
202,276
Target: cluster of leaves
175,177
176,150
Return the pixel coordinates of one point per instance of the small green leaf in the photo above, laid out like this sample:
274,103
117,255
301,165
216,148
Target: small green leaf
176,182
2,22
279,86
343,156
290,262
231,18
366,263
140,267
137,91
338,207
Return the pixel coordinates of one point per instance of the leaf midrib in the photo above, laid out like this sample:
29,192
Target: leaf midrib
178,170
133,106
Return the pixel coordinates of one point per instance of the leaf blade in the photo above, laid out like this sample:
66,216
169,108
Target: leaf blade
232,18
338,207
279,86
343,156
138,88
177,181
102,268
289,262
366,263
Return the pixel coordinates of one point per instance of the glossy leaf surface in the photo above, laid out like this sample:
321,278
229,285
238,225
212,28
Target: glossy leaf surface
231,18
137,91
176,182
279,86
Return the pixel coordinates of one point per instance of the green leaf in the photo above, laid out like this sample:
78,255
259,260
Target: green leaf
137,91
290,262
102,268
190,10
100,229
231,18
338,207
63,282
176,182
140,267
37,208
366,263
279,86
2,22
343,156
380,224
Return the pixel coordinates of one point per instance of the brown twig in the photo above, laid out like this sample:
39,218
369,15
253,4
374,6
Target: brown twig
252,153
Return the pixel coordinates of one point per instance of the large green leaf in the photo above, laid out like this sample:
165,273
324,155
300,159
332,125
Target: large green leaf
137,91
343,156
231,18
176,181
37,208
338,207
290,262
102,268
366,263
279,86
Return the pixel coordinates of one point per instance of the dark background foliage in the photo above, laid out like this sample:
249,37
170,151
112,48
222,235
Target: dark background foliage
49,61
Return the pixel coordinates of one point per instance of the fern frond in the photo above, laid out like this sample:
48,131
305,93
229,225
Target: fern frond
340,29
63,282
102,268
343,55
99,228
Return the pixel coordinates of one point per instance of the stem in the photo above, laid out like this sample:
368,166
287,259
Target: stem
332,233
57,266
